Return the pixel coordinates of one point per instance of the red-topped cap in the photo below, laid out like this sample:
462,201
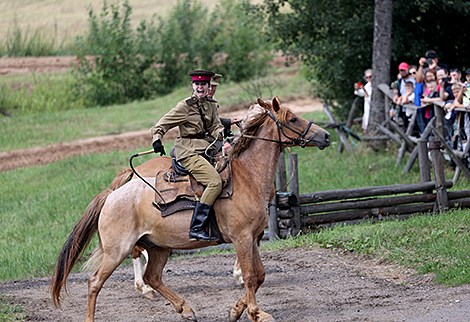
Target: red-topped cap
200,75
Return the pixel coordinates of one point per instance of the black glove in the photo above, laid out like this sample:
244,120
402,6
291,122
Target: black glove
158,147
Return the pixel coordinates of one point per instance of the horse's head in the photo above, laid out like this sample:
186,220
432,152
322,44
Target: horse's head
293,129
287,129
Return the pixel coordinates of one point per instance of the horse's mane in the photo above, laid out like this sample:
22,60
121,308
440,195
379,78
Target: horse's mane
256,117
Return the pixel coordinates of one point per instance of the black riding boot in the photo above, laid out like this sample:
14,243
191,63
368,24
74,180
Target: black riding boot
197,231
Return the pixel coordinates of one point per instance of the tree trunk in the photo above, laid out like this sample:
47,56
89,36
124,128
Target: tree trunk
380,65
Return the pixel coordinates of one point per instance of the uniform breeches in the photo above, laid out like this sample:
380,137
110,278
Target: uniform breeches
204,173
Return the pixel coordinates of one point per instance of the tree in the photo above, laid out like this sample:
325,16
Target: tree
335,38
380,62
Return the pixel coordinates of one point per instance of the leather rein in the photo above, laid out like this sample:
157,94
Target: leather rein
302,142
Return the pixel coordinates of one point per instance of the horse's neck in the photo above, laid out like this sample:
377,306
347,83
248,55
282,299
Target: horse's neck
258,163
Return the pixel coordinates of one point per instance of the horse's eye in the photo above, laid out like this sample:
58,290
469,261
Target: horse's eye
293,120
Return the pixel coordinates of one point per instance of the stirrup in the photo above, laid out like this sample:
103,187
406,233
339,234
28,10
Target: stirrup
201,235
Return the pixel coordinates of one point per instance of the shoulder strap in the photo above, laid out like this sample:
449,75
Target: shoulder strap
190,101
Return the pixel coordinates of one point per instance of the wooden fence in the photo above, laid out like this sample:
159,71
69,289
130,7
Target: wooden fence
291,212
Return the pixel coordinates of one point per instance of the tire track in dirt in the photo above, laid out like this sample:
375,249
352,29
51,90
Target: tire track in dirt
42,155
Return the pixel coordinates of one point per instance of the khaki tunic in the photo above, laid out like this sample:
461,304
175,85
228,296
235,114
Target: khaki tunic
189,122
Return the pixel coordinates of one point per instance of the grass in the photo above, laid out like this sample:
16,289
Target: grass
9,311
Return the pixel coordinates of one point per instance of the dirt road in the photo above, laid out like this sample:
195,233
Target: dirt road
307,284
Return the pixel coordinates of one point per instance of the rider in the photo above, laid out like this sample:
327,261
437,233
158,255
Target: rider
226,122
199,125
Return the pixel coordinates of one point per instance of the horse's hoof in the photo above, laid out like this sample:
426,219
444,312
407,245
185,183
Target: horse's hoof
189,316
233,315
149,295
267,319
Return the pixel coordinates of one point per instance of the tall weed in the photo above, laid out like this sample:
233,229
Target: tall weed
21,43
45,93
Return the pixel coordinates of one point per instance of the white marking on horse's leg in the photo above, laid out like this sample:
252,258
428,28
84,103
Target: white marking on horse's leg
237,273
139,268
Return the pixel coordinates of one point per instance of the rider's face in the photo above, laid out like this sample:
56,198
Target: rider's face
201,88
212,90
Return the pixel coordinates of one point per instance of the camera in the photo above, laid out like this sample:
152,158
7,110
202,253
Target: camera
446,79
467,85
428,62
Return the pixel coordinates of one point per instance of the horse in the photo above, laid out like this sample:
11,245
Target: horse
126,217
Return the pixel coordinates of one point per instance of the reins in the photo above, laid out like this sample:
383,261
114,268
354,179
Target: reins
300,141
140,177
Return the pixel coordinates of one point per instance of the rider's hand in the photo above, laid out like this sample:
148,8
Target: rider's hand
158,147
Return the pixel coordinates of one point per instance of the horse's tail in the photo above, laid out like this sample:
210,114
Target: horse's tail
124,176
78,240
81,236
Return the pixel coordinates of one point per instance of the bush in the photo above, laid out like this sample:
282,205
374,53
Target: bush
128,65
122,66
241,41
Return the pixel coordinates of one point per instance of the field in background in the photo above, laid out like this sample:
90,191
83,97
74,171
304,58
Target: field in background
66,19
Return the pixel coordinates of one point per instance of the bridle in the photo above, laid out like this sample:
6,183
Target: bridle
302,142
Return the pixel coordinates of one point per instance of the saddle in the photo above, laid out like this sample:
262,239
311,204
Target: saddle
179,190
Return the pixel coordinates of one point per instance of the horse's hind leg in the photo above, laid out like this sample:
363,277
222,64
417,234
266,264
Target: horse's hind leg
153,276
139,267
107,266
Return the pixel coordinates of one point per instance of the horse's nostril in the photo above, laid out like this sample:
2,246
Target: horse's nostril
327,136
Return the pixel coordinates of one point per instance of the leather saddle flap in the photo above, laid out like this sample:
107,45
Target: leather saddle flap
172,186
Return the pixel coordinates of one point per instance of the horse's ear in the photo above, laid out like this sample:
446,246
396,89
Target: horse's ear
276,103
261,103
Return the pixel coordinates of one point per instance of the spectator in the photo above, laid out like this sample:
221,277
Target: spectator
445,86
409,96
455,75
426,113
431,61
463,118
366,92
393,108
413,70
450,113
404,76
403,69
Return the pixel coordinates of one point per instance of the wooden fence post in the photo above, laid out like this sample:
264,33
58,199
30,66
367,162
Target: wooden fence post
294,188
438,168
281,172
424,168
272,223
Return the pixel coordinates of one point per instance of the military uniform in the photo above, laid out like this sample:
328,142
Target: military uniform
199,125
186,116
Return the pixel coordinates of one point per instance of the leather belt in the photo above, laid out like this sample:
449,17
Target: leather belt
195,136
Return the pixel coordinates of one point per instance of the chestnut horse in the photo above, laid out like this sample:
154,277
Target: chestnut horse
126,217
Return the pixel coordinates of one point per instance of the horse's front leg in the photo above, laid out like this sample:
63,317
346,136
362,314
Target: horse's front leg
253,270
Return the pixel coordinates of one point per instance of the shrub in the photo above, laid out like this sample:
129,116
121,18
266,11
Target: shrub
122,66
128,65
